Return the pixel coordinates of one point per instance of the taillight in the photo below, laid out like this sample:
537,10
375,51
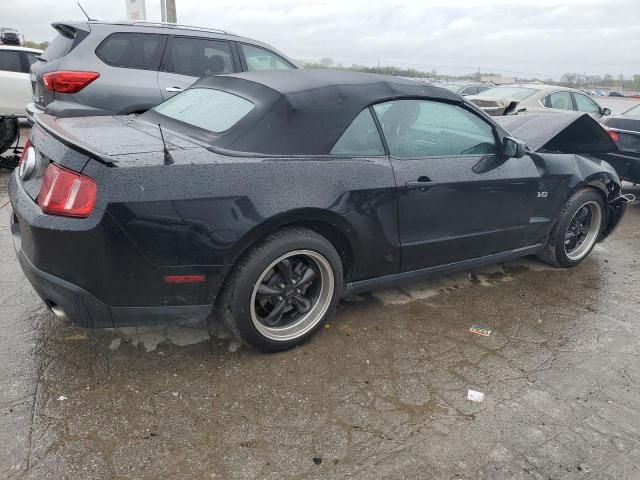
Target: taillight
615,136
68,82
24,150
64,192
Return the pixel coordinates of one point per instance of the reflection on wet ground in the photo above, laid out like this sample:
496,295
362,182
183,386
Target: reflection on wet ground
380,393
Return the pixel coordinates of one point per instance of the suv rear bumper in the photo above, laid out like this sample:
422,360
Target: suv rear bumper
64,109
31,110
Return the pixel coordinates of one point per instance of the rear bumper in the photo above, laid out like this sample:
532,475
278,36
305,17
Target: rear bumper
31,110
86,310
89,269
64,109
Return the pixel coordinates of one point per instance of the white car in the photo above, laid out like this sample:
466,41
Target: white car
15,84
522,99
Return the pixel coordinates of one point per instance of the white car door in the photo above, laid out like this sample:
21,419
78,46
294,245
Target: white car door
15,87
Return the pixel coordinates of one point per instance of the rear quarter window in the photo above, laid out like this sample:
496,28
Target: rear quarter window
141,51
58,48
206,108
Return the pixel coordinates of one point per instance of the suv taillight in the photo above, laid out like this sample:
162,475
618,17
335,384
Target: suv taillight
64,192
68,82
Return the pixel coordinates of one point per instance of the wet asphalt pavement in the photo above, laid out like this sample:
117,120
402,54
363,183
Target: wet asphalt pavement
380,393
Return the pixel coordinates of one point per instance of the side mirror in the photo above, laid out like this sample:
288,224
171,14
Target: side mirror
606,111
513,148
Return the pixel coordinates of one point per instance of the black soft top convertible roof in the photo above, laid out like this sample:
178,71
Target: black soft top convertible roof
300,112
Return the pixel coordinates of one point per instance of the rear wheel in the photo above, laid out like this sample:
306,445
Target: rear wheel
577,230
283,290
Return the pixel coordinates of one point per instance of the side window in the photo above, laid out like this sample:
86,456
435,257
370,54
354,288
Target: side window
361,138
142,51
585,104
198,57
258,58
10,61
422,128
560,100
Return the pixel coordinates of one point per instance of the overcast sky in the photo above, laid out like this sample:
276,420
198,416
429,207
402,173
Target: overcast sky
517,37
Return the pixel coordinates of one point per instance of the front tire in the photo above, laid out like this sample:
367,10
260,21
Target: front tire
283,290
577,230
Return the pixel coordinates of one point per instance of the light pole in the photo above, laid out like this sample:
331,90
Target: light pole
168,11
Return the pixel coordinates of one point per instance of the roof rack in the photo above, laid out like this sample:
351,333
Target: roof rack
177,25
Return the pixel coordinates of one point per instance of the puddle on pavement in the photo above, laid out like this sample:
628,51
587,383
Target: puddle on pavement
487,277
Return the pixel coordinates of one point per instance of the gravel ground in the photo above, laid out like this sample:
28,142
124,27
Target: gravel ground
380,393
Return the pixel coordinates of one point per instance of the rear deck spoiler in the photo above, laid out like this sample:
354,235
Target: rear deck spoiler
559,133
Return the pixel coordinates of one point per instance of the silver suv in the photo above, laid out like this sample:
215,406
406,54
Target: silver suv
105,68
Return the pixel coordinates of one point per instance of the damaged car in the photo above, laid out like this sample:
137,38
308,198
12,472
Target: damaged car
523,99
263,197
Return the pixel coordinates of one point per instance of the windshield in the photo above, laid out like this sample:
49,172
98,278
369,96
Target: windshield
516,93
206,108
634,112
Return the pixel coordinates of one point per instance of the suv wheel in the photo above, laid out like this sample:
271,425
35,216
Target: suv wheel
283,290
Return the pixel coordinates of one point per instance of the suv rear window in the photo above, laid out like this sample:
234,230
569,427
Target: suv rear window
60,46
206,108
142,51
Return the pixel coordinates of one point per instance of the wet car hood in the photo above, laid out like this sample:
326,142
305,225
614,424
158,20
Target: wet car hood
559,133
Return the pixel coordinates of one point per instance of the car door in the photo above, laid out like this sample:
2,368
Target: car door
14,78
458,197
187,59
586,105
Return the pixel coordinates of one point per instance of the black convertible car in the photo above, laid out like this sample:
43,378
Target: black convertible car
265,196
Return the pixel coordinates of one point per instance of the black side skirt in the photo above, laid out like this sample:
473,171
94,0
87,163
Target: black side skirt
425,273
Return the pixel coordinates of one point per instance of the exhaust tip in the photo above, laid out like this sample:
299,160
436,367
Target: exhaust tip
58,312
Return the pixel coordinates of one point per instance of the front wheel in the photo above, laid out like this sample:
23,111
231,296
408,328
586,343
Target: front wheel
577,230
283,290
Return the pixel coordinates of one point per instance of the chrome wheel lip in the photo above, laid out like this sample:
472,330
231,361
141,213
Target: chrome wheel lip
309,320
592,236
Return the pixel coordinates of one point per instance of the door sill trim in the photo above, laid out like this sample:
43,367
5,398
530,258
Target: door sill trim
361,286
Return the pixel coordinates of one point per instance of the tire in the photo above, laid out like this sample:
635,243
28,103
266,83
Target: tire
574,234
271,284
8,133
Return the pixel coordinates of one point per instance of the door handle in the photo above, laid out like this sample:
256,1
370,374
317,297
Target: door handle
422,182
173,89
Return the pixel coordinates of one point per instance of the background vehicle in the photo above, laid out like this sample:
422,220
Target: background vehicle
536,98
276,191
615,94
624,129
465,88
15,90
99,68
10,36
